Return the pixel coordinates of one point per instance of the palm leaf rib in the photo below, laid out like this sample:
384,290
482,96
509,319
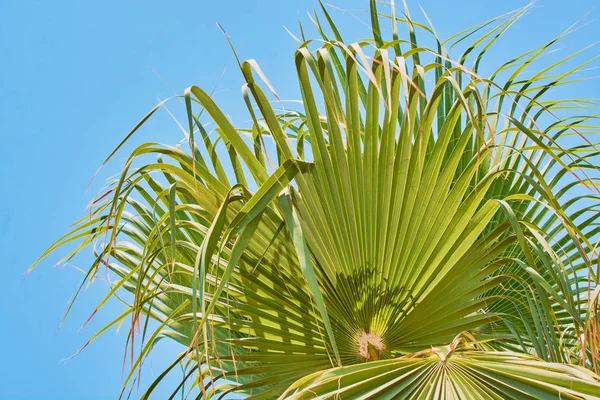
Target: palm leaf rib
413,230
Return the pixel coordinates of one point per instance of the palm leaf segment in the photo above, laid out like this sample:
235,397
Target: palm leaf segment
450,373
410,199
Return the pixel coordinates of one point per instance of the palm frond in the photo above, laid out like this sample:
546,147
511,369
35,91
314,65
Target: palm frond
407,200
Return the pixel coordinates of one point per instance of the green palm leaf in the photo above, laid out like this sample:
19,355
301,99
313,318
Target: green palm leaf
407,201
448,373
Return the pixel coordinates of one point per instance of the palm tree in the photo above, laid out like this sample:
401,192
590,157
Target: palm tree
413,230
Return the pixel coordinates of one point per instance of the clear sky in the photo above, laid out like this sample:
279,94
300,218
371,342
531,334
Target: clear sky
75,76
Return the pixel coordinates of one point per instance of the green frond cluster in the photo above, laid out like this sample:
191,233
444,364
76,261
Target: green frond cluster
332,250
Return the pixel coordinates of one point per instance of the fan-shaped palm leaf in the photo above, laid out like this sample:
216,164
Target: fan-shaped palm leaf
411,199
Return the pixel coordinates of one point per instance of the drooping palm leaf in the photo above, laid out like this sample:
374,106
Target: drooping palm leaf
408,200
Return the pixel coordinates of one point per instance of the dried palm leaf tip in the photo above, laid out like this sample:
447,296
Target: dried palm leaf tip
369,346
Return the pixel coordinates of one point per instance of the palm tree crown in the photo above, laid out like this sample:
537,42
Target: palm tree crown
413,230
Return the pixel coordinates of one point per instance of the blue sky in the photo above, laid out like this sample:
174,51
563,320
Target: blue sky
75,76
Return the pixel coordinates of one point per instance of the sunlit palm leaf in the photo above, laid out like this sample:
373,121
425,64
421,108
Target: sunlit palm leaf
461,375
408,200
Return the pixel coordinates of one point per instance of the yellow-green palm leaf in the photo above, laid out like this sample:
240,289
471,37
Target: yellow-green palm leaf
408,200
